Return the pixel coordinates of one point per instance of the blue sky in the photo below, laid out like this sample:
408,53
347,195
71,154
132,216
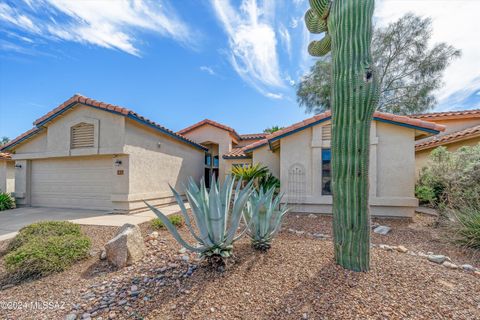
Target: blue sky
178,62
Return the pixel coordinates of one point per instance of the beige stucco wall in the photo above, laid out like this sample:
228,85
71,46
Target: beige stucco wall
268,158
144,161
421,157
7,176
208,133
392,170
155,162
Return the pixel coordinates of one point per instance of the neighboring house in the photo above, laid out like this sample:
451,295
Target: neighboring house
92,155
299,156
7,173
462,129
224,146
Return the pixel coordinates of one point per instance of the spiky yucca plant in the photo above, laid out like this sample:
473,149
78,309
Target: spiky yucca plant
263,215
217,217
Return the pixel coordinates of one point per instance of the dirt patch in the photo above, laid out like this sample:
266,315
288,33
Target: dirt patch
296,279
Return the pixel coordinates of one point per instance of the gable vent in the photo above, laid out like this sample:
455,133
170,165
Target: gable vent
82,136
327,132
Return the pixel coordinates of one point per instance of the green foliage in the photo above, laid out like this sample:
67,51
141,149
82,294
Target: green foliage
216,213
467,226
46,247
44,229
269,181
425,194
4,140
250,172
263,216
175,219
43,256
409,69
6,201
453,177
272,129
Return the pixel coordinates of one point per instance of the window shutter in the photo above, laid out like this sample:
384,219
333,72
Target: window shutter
327,132
82,136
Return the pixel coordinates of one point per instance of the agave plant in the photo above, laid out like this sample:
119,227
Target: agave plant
249,172
217,217
263,215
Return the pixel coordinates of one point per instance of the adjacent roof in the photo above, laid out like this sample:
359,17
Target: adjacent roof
73,101
448,138
5,156
248,136
448,115
405,121
236,153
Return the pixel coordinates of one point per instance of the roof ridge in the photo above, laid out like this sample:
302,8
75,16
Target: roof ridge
445,114
449,137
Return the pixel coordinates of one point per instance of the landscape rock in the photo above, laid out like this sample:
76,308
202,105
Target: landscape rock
383,230
436,258
450,265
103,255
401,249
468,267
127,247
71,316
311,215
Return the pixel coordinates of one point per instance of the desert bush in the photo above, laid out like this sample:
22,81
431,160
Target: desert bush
452,177
6,201
425,194
263,216
467,226
43,229
217,213
175,219
41,256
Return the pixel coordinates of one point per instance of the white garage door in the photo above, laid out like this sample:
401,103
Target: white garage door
72,183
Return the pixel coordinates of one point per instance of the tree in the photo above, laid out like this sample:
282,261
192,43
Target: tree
4,140
348,35
272,129
409,71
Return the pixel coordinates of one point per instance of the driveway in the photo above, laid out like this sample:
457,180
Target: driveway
13,220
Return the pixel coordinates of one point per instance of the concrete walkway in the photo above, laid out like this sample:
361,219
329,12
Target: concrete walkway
13,220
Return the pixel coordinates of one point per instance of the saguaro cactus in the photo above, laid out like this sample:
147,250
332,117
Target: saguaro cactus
347,25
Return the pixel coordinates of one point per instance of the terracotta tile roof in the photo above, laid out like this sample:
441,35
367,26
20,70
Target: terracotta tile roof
378,116
236,153
448,138
212,123
448,115
5,156
99,105
253,136
23,136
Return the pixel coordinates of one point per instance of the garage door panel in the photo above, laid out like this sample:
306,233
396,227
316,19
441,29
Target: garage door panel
72,183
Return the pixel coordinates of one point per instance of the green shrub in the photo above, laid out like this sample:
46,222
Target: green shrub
175,219
44,229
467,226
425,194
6,201
41,256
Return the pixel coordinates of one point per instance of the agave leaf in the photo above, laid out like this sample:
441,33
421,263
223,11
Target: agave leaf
185,214
199,218
215,217
174,231
238,206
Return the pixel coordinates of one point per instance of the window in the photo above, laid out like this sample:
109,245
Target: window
82,135
326,172
215,161
208,159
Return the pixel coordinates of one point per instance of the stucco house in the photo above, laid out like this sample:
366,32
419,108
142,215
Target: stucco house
462,129
92,155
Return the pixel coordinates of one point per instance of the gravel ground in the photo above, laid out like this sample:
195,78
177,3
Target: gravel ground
296,279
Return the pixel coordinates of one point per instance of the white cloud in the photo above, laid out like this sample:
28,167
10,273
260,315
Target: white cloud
252,42
208,70
274,95
109,24
454,22
285,39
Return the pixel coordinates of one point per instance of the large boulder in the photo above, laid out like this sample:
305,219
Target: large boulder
126,247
